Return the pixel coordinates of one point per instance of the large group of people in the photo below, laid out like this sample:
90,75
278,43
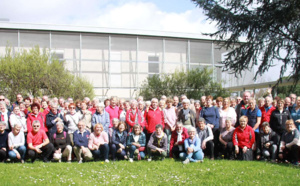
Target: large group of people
59,129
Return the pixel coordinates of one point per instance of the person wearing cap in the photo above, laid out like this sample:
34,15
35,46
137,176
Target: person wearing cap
192,147
158,143
186,115
266,143
3,141
101,116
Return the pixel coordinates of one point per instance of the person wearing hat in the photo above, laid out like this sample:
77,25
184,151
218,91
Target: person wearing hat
192,147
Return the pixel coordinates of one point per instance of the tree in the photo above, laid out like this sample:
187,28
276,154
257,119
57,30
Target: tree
271,28
194,83
33,73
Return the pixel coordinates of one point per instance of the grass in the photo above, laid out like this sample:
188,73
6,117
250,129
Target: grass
168,172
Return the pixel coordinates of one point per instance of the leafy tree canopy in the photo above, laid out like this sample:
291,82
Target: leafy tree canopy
30,72
194,84
271,29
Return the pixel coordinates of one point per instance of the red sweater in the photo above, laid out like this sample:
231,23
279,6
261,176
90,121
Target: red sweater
244,137
174,136
31,117
154,117
265,116
130,118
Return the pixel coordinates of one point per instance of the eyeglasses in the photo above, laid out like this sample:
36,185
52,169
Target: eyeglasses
2,99
35,126
72,107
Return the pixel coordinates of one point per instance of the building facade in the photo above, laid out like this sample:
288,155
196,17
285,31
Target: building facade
117,61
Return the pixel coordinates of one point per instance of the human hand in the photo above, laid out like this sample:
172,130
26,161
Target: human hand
203,145
245,149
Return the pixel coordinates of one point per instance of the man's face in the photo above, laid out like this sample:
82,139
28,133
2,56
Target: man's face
287,101
175,101
36,127
246,96
2,98
2,108
81,126
19,98
154,103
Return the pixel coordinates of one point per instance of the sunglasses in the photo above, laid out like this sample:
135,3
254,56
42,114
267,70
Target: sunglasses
35,126
72,107
2,99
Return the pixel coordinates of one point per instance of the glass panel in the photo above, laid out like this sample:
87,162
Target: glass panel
8,39
126,46
95,66
127,80
31,39
150,47
200,52
95,78
94,46
176,51
115,80
70,43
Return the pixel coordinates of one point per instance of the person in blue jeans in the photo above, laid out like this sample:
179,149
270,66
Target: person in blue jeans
136,142
192,147
16,144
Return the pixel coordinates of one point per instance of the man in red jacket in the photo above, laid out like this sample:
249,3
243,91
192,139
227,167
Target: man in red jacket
153,116
267,110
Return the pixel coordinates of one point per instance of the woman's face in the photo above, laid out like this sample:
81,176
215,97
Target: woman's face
158,131
225,103
115,124
243,123
141,106
83,106
186,105
252,104
121,128
169,104
192,134
17,110
99,109
209,102
197,105
201,125
44,105
266,129
59,128
137,130
179,128
98,130
126,106
35,110
72,109
280,105
228,124
289,127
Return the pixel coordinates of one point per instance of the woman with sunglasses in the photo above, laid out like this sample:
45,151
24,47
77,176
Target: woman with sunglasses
72,118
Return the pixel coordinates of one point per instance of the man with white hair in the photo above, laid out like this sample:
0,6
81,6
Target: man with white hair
153,116
101,116
242,107
186,115
5,114
293,99
267,109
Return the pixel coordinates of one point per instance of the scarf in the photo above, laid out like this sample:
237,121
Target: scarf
179,137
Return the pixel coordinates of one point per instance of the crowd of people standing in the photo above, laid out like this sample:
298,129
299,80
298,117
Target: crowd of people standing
177,127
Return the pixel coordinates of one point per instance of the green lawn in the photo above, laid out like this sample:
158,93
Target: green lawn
168,172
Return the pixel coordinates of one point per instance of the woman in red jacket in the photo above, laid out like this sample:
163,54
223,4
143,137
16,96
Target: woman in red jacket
36,115
243,139
177,140
134,116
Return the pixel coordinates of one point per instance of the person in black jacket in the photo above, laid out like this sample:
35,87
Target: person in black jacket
279,118
118,142
52,118
266,143
3,141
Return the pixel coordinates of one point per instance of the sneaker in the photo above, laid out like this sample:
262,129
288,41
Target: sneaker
69,161
149,159
106,161
22,161
130,160
59,160
186,161
80,161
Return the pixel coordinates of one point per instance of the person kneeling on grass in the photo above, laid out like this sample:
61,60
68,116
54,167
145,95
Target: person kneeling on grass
136,142
177,140
243,139
206,137
38,143
158,143
98,143
62,144
81,139
192,147
289,144
266,143
16,143
118,142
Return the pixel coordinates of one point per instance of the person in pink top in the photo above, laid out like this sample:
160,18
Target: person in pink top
170,119
112,110
98,143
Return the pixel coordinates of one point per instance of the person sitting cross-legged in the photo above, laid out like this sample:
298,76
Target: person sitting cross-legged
192,147
158,143
38,143
118,142
136,142
16,143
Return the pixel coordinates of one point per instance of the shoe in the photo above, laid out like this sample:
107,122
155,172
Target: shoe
125,157
106,161
212,158
130,160
149,159
59,161
186,161
32,160
69,161
80,161
22,161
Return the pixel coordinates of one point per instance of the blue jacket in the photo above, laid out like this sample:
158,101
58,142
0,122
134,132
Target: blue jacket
81,139
252,116
51,125
101,118
115,139
142,139
195,144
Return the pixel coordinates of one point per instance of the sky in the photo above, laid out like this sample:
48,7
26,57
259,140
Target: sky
159,15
